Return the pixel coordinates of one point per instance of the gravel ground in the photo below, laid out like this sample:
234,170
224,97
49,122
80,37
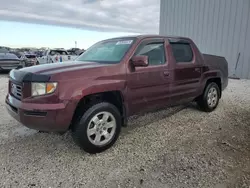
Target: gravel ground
170,148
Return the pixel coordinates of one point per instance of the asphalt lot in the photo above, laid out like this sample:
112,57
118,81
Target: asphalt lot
169,148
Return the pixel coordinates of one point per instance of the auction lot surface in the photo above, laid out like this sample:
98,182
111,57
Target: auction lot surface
170,148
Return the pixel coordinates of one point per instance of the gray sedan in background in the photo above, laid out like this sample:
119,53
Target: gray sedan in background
9,61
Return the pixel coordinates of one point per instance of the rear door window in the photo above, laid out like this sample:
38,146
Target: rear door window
182,52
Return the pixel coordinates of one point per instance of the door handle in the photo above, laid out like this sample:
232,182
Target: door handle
197,70
165,73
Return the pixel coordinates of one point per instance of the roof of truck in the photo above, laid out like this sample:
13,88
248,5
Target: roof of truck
161,36
151,36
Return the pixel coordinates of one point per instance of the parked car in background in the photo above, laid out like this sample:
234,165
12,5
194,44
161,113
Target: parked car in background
80,52
29,59
55,55
39,53
9,61
116,78
17,53
4,50
74,51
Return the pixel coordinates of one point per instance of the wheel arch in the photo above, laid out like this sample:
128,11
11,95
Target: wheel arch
216,80
114,97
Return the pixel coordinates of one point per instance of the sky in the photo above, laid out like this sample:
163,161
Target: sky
48,23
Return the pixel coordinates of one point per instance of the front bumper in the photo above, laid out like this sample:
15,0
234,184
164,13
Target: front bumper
43,117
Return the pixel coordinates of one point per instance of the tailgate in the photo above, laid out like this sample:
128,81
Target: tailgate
9,64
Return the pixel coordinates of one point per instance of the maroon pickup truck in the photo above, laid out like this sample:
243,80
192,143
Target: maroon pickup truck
94,95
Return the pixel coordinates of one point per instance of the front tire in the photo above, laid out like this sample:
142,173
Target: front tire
98,128
209,100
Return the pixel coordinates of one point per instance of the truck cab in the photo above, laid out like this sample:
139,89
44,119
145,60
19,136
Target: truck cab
172,76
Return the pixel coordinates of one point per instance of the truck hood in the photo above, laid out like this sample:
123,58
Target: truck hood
55,68
44,72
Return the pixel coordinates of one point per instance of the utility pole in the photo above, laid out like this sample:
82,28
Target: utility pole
75,44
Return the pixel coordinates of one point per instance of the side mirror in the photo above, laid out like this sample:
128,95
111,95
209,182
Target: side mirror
140,61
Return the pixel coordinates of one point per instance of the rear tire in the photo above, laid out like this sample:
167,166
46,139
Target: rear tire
209,100
98,127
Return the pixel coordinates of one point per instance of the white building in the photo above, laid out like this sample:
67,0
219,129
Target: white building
219,27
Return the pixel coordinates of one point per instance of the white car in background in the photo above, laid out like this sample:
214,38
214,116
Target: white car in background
55,56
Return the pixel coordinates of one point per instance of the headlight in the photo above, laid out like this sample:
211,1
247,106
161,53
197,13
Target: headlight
43,88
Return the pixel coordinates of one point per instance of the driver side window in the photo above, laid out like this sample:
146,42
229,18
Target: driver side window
154,51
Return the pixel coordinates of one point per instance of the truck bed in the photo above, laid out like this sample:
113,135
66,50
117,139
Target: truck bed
218,63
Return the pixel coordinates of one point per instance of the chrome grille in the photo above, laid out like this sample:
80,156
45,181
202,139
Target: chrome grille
16,90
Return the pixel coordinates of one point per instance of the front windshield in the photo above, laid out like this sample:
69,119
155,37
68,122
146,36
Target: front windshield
109,51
